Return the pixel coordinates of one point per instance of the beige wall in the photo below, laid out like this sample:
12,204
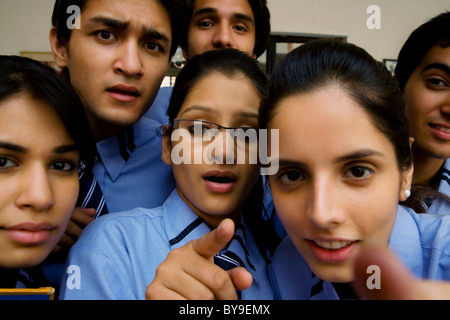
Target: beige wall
349,17
24,24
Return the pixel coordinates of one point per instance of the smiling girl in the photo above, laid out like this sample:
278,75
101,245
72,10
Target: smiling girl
43,132
345,164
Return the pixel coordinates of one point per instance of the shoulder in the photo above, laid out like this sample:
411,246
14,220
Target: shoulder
423,243
121,225
291,274
434,231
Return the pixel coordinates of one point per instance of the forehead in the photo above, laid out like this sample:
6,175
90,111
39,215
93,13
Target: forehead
437,54
142,13
224,8
29,120
213,92
326,124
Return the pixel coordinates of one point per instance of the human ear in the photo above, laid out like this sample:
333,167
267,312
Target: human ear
59,49
407,176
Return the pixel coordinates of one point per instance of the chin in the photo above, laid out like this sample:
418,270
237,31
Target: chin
339,274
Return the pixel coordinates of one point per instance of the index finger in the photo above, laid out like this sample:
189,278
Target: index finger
213,242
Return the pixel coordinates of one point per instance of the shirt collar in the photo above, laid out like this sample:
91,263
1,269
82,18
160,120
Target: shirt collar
183,225
115,151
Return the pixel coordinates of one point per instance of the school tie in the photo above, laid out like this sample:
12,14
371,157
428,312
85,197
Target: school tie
228,260
317,287
91,195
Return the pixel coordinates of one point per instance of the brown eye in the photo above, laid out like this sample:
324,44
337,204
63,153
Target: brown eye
63,166
291,176
6,163
358,172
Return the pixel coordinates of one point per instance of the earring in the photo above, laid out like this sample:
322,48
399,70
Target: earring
407,193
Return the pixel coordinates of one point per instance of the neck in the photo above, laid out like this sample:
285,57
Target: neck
102,130
211,220
425,168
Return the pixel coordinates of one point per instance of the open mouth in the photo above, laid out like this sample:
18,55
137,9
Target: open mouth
124,93
332,245
220,182
440,128
219,179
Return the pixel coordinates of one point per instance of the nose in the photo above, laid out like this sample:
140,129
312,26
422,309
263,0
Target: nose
223,37
324,207
129,60
35,189
445,109
223,148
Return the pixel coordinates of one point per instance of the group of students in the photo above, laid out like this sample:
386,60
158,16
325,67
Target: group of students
360,154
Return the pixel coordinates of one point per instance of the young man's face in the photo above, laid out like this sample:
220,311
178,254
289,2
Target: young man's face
117,60
427,101
218,24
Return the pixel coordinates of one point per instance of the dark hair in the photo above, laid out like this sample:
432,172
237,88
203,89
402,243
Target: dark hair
175,9
321,63
232,63
19,75
261,14
419,43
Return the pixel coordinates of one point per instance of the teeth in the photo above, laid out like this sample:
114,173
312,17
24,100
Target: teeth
332,245
447,130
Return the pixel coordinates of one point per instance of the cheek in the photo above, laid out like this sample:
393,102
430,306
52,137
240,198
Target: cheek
290,210
66,194
374,215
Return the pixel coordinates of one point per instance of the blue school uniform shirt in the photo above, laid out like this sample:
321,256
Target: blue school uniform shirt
421,241
442,206
117,255
158,110
131,173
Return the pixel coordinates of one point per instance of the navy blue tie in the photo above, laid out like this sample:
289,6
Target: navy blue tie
228,260
91,195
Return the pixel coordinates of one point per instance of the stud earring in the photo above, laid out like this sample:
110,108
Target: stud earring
407,193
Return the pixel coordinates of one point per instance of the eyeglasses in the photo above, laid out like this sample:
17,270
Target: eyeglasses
206,131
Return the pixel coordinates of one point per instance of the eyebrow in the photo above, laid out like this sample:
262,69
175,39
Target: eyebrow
239,16
58,150
109,22
116,24
360,154
436,65
12,147
242,114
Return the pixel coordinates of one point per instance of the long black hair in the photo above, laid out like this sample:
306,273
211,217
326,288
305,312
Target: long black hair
234,64
318,64
19,75
321,63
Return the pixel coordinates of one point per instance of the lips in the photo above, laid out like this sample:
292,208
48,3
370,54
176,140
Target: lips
124,93
30,233
332,251
441,131
220,182
332,245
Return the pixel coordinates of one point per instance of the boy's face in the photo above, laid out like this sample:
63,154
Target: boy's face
117,60
427,101
218,24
